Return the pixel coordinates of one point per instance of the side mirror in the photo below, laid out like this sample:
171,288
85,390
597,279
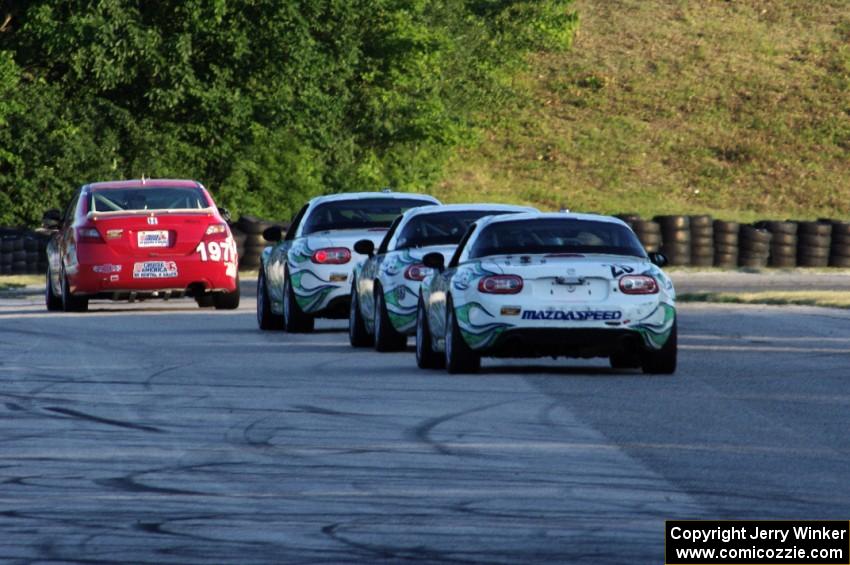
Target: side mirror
225,214
365,247
658,259
273,233
434,261
52,219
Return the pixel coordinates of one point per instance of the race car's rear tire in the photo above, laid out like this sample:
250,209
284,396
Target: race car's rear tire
426,357
295,320
205,300
357,334
387,338
266,319
460,358
227,300
71,303
51,300
624,361
662,361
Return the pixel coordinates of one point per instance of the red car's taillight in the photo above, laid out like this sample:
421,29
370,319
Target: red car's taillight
416,272
331,256
500,284
638,284
216,230
88,234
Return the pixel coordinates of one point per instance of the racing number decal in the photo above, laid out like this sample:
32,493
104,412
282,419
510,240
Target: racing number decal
217,251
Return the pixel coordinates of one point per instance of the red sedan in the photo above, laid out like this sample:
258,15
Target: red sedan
137,239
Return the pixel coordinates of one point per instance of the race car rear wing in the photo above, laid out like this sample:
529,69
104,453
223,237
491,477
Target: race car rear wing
209,211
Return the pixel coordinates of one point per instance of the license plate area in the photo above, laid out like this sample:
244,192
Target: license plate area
155,270
587,290
152,238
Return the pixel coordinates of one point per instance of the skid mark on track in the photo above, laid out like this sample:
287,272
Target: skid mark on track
422,432
101,420
129,484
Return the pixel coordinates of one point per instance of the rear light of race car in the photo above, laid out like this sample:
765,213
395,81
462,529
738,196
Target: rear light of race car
331,256
88,234
416,272
500,284
638,284
216,230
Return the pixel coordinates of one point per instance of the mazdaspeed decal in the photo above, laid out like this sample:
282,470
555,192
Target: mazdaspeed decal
572,315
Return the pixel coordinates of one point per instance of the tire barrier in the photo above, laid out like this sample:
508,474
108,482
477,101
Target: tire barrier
814,241
726,244
675,238
649,234
248,234
702,241
753,247
783,242
839,250
23,252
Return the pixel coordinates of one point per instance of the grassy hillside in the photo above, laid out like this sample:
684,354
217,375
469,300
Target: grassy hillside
736,108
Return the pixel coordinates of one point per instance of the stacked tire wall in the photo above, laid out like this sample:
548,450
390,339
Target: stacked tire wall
675,239
839,250
248,233
726,243
22,252
701,241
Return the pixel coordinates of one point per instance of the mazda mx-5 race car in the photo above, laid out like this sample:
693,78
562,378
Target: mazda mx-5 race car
556,284
385,289
306,274
140,239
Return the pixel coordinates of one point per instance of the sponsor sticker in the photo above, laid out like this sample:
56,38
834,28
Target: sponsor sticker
158,238
572,315
155,270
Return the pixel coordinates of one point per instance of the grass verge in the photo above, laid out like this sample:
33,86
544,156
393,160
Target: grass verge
12,282
823,298
738,109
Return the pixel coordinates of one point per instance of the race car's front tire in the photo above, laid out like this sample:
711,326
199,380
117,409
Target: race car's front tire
294,319
387,338
71,303
460,358
227,300
357,334
51,300
266,319
426,357
663,361
205,300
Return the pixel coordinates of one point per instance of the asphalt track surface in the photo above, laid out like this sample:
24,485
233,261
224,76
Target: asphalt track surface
160,433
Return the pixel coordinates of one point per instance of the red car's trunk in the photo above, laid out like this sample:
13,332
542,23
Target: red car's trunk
157,235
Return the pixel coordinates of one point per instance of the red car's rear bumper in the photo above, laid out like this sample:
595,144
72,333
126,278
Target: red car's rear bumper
101,270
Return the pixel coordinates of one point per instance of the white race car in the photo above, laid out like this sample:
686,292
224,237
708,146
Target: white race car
385,289
306,274
556,284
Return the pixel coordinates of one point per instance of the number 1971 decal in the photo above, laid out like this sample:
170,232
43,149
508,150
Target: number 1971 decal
217,250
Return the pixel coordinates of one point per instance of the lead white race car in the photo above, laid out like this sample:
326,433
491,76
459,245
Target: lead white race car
554,284
306,274
385,289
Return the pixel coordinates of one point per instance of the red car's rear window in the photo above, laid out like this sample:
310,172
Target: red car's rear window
147,198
